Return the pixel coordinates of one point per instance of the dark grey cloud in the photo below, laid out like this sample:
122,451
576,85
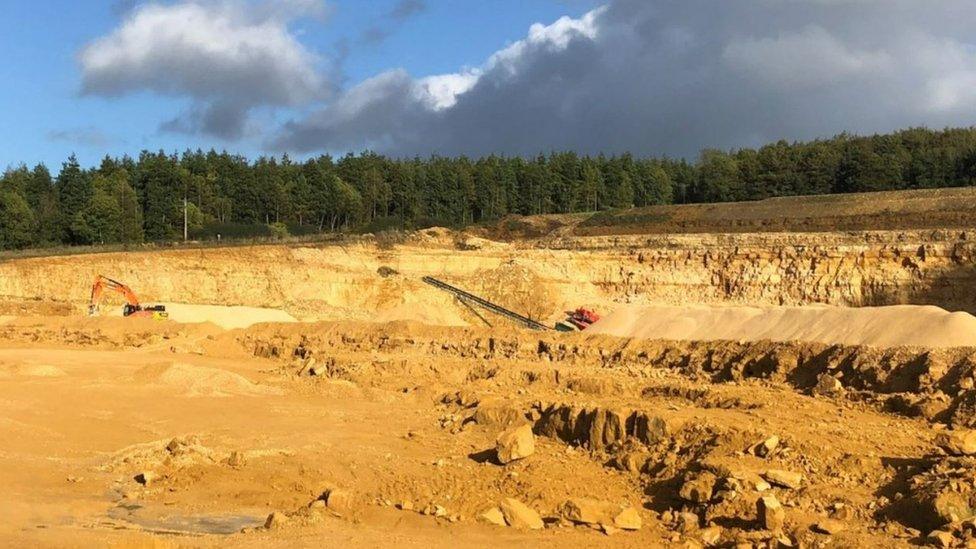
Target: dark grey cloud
405,9
89,137
401,12
672,77
227,56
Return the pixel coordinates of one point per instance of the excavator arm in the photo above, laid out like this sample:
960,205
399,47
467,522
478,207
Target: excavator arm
132,305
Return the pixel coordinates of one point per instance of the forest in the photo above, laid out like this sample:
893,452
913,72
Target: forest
134,200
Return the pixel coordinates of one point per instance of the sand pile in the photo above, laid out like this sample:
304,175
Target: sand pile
228,318
197,381
30,370
900,325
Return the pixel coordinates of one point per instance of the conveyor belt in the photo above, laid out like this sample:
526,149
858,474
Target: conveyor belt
471,298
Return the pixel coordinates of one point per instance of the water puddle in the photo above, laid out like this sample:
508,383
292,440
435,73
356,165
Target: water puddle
162,520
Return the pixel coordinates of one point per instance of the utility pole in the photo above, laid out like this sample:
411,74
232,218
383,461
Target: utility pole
186,234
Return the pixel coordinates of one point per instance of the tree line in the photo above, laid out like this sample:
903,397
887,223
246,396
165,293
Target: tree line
133,200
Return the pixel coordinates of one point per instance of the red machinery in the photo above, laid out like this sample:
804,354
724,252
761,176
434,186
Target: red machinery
132,307
580,319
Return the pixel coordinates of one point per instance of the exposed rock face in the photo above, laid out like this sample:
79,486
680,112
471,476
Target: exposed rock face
599,427
933,267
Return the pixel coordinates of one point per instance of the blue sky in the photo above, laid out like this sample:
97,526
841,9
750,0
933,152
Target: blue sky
41,40
517,77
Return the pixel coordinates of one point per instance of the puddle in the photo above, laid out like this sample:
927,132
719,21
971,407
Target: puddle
161,520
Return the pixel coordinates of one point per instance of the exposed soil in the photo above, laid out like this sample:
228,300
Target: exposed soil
327,395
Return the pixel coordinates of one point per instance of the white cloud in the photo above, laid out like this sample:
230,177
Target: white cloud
229,55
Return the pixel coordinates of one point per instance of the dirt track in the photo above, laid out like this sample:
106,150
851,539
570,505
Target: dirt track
134,432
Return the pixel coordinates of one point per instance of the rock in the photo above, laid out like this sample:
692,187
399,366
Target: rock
771,513
519,515
493,413
784,542
237,459
959,442
698,489
940,538
828,385
631,461
146,478
688,522
517,443
786,479
493,516
762,486
829,527
276,520
628,519
405,505
338,500
766,447
710,536
587,511
316,505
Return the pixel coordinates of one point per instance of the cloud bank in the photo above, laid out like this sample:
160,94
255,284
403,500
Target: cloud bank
672,77
646,76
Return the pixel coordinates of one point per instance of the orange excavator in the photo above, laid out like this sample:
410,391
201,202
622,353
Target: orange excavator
132,307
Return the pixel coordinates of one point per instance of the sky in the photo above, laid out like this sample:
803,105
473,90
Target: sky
421,77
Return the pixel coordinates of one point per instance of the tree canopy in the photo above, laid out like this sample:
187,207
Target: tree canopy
132,200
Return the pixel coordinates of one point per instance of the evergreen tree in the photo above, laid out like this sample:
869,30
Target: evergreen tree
74,194
16,220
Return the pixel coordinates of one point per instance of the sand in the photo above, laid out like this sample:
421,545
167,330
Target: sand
228,318
199,381
901,325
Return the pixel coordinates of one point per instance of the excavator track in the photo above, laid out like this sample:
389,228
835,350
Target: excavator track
473,299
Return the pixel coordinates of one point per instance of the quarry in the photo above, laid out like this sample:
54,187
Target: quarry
755,379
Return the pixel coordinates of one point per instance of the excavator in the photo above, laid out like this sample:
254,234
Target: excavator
132,307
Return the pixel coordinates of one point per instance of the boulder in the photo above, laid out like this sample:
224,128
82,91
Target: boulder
771,513
829,527
688,522
493,516
520,515
628,519
828,385
940,538
786,479
710,536
338,500
698,489
959,442
146,478
766,447
588,511
517,443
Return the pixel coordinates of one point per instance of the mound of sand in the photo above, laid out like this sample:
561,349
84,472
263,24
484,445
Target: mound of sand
197,381
30,370
901,325
228,318
417,312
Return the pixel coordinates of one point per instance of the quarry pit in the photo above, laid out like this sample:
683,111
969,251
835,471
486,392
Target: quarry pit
791,388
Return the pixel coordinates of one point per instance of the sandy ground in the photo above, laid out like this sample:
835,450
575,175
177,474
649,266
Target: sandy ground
344,400
224,316
894,326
